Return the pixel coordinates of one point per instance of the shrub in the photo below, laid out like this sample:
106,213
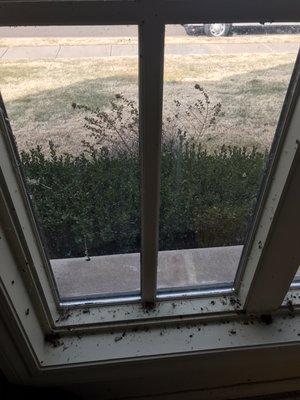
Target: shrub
86,205
207,199
118,127
89,204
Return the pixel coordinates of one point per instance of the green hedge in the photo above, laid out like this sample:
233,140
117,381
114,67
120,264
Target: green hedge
90,203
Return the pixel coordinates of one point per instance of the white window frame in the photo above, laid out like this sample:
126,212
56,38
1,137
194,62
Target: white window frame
26,290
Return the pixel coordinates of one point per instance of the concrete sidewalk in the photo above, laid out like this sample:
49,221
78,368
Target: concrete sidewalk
120,273
119,50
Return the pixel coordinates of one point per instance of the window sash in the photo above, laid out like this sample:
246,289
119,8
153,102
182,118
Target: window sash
151,19
272,255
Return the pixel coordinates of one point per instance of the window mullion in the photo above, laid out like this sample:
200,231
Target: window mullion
151,46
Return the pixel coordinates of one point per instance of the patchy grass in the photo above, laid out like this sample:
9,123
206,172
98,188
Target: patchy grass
251,89
39,95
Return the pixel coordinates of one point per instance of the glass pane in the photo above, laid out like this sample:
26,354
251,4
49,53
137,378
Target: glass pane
71,94
224,87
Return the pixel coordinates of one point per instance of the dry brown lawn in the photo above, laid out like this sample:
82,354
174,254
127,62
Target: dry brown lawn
250,88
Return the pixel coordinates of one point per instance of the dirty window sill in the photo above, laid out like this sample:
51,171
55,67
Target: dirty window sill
188,338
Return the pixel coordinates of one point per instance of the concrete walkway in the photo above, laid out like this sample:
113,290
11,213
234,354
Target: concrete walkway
107,275
116,50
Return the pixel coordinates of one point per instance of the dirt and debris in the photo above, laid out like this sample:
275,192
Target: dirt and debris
232,301
260,246
232,332
27,312
149,306
120,337
291,308
235,301
64,315
266,319
53,340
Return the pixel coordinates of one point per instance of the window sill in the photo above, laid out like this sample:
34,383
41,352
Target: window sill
164,341
59,356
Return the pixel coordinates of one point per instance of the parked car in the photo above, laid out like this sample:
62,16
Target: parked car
219,29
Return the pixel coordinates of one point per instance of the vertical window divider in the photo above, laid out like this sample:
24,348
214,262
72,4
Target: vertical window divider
151,62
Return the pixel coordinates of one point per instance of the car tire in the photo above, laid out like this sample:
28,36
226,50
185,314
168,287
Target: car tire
217,30
191,30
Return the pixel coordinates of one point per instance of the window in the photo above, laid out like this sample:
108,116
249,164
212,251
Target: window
73,107
75,118
137,185
222,100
